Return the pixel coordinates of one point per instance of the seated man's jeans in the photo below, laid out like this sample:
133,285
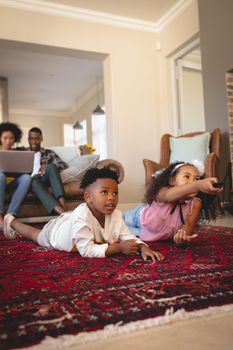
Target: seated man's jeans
132,219
40,183
19,187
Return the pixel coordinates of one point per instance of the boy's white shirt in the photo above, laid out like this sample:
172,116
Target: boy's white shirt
36,165
80,227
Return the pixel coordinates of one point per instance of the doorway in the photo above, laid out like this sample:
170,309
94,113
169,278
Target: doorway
189,104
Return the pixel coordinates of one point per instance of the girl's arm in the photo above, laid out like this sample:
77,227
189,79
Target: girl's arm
185,234
175,193
191,221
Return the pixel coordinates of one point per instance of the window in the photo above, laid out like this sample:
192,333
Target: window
80,135
99,135
98,138
73,136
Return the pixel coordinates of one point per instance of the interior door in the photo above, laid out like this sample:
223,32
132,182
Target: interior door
191,116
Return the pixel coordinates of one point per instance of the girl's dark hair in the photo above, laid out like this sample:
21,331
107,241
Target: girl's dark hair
93,174
14,128
210,206
160,180
210,203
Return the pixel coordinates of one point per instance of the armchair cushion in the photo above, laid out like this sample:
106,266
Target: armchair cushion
189,148
150,167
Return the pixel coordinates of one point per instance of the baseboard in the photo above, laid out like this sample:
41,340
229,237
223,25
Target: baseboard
36,219
31,220
126,206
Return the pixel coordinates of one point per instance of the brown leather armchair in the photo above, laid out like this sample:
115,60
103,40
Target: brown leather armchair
211,162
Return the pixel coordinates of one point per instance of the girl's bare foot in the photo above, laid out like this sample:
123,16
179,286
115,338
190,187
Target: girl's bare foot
58,209
62,201
1,223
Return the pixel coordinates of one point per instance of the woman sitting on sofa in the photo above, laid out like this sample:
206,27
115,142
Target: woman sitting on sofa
19,183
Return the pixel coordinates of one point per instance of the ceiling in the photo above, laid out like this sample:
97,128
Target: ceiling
46,80
52,80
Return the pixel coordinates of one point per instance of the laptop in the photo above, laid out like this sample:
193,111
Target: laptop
16,161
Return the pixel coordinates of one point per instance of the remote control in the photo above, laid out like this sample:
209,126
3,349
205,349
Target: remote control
218,184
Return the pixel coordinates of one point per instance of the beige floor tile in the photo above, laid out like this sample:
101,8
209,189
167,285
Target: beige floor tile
223,220
207,333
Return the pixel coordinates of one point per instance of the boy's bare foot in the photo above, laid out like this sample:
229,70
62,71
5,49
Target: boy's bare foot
58,209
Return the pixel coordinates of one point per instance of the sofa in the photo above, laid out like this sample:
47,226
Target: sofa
33,211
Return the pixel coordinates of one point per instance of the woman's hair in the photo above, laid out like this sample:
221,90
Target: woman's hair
161,179
16,131
94,174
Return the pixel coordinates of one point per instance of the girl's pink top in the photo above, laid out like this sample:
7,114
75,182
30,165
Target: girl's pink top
157,222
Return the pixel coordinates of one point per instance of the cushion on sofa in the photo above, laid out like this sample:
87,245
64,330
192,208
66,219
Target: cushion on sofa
78,166
187,149
66,153
72,190
114,165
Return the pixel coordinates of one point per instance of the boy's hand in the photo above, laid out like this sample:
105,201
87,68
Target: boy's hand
182,237
146,252
129,247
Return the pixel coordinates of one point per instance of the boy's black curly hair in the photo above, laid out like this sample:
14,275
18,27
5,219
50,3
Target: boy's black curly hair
93,174
14,128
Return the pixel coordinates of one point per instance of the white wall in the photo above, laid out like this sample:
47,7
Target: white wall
173,38
216,28
51,126
136,79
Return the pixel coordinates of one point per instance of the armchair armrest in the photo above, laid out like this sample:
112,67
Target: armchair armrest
150,168
211,165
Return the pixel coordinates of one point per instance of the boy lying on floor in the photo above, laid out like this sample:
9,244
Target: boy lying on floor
94,229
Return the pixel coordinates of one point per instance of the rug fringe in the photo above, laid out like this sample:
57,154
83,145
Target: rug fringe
170,316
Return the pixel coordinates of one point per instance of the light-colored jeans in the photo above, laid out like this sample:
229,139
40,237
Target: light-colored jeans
19,186
132,219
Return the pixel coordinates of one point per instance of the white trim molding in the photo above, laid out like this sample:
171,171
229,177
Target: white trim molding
33,112
50,8
173,13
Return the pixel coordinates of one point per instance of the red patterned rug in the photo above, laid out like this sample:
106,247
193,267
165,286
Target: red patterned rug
47,292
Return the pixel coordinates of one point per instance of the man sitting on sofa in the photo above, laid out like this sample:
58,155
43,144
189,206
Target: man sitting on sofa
46,172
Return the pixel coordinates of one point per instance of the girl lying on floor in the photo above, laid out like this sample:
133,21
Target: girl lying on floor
173,204
94,229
